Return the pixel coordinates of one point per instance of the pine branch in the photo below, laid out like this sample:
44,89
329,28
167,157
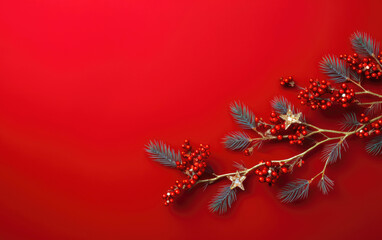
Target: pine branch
239,166
325,184
364,45
257,143
335,69
205,185
295,190
374,109
350,122
355,76
163,154
374,146
237,141
332,152
223,200
281,105
242,115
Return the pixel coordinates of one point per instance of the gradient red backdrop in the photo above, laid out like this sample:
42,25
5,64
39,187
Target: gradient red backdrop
85,84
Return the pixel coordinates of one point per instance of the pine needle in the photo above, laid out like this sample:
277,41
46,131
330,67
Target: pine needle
374,109
364,45
239,166
295,190
335,69
325,184
350,122
374,146
237,141
242,115
163,154
223,199
332,152
281,105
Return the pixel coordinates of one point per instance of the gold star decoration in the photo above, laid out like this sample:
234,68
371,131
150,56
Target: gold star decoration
237,180
290,118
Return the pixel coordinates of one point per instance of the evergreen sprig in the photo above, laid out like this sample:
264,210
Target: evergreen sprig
332,152
295,190
237,141
223,199
239,166
334,68
163,154
374,146
355,76
325,184
350,122
281,105
364,45
243,115
374,109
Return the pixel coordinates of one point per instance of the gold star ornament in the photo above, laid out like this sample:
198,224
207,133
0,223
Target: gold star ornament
237,181
290,118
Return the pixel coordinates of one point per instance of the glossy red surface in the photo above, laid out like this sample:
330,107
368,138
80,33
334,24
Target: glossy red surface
85,84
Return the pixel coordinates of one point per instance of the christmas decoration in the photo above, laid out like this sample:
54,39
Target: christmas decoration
193,164
237,180
286,123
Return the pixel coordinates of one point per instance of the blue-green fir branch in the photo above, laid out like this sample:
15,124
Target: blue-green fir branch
295,190
257,143
374,109
205,185
350,122
237,141
223,199
332,152
243,116
239,166
355,76
374,146
325,184
335,69
281,105
163,154
364,45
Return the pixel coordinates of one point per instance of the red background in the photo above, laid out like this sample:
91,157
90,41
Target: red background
85,84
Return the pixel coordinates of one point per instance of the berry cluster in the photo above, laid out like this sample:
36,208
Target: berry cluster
193,165
374,128
287,82
312,96
295,133
345,96
269,172
278,126
364,66
297,137
321,95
